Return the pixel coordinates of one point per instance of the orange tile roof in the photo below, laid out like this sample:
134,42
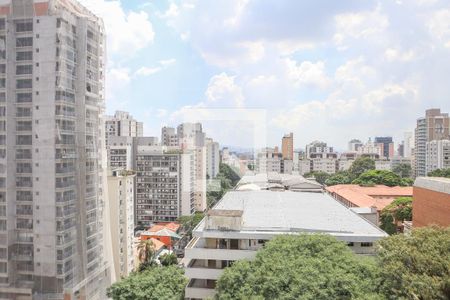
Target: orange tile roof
157,245
171,226
361,196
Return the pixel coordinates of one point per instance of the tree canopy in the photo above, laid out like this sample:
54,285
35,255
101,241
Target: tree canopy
416,266
320,176
403,170
398,211
373,177
361,165
342,177
440,173
300,267
152,284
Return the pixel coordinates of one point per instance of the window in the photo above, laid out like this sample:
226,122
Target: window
24,97
24,42
2,24
2,97
23,126
24,83
23,154
24,140
24,196
24,26
24,55
2,83
24,69
23,112
366,244
2,68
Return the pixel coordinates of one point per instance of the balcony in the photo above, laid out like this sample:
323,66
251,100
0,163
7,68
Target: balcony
199,289
198,269
197,249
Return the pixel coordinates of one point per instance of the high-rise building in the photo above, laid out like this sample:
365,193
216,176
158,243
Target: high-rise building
371,148
386,144
316,147
287,146
165,184
122,124
120,152
268,160
192,138
212,158
434,126
121,225
52,175
437,155
408,144
354,145
169,137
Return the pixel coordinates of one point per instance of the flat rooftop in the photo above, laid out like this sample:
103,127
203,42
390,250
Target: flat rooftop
261,181
437,184
287,211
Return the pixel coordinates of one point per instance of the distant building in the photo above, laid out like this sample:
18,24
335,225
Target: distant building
317,149
434,126
431,202
408,144
386,144
243,221
212,158
169,137
437,155
354,145
371,148
122,124
287,146
121,225
120,152
268,160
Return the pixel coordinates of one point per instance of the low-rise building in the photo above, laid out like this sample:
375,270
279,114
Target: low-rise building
431,201
243,221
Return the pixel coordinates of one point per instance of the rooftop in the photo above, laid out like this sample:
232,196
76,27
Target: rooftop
272,180
438,184
362,196
287,211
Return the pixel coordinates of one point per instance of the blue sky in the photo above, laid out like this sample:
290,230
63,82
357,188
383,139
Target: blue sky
325,70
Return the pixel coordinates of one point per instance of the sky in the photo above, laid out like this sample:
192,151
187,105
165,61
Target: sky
324,70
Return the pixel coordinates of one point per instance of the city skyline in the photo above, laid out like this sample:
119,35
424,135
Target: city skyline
377,64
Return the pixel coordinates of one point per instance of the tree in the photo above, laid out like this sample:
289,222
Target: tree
320,176
152,284
398,211
168,259
306,266
440,173
373,177
146,254
228,178
402,170
361,165
417,265
342,177
188,223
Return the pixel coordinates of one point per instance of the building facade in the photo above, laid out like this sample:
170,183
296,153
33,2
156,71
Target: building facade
121,225
434,126
169,137
387,146
437,155
52,180
122,124
212,158
287,146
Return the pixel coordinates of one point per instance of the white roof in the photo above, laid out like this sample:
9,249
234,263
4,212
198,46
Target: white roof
287,212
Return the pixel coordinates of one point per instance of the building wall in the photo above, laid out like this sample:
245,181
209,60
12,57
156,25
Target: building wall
430,207
287,146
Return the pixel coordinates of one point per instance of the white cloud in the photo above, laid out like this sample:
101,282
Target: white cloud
439,25
223,91
393,54
127,32
161,113
167,62
148,71
171,12
307,73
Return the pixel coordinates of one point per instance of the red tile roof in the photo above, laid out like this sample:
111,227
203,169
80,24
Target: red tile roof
378,196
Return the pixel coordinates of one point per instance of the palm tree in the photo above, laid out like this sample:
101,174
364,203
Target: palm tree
146,254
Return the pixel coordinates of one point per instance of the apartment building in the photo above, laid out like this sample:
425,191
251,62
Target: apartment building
52,179
354,145
212,158
287,146
386,144
120,152
165,184
437,155
371,148
121,225
243,221
169,137
268,160
434,126
122,124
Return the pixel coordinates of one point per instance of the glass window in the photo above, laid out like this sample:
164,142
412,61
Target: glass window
2,68
24,97
2,24
24,83
24,42
24,69
2,83
24,55
24,140
24,26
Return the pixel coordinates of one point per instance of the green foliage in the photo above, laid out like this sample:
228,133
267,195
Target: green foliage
168,259
188,223
321,177
152,284
228,179
361,165
373,177
403,170
307,266
440,173
146,254
342,177
398,211
416,266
